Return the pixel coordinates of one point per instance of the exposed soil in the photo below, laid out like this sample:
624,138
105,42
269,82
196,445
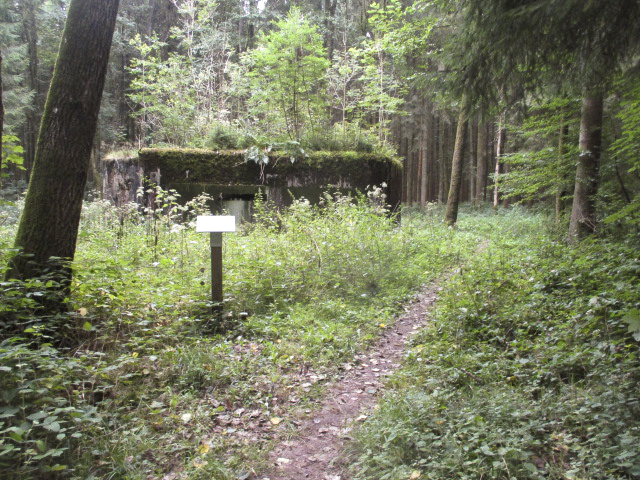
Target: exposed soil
316,451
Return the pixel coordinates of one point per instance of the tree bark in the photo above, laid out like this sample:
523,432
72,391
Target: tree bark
453,200
502,137
481,171
441,166
30,29
563,132
473,161
1,117
583,210
424,156
49,223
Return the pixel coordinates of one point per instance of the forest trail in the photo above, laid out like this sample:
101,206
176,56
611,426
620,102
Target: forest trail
316,450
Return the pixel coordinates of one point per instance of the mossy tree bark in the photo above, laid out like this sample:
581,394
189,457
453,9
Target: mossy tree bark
49,223
583,211
453,200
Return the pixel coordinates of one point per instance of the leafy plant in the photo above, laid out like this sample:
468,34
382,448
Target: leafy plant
527,369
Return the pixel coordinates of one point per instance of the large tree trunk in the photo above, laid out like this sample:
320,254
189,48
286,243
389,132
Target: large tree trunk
583,211
451,215
49,223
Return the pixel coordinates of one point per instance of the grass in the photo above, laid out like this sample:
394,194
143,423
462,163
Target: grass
528,369
147,383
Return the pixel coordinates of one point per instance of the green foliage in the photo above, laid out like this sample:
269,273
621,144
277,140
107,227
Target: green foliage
47,408
544,165
528,369
16,95
12,151
163,116
625,152
381,86
150,383
287,73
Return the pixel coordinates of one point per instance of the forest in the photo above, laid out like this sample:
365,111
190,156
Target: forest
483,324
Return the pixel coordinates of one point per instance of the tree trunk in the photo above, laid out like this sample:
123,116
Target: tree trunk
451,215
505,200
481,172
424,156
583,210
473,161
502,136
1,118
441,166
560,186
30,29
330,26
49,223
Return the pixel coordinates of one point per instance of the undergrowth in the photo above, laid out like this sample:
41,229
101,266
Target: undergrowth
139,380
529,368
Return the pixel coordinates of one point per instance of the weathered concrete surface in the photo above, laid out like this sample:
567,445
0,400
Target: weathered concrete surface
225,175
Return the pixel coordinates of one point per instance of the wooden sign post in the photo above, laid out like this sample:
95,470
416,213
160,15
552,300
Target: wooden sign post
216,226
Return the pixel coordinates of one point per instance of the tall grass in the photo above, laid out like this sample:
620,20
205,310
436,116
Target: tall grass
145,373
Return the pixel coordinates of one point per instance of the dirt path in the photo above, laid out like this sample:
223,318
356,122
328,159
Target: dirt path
315,452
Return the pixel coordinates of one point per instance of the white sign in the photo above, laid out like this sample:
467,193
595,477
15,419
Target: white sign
214,224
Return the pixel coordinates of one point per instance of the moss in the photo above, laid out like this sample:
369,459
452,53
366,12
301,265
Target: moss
227,167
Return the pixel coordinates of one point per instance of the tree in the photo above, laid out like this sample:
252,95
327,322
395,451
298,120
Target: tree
587,41
288,72
48,227
453,200
1,112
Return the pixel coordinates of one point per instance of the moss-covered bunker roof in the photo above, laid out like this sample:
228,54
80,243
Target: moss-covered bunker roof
228,167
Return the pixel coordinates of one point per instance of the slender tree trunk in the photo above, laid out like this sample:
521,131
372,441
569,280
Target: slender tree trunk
560,185
451,215
505,200
623,189
49,223
481,171
441,166
1,118
424,151
330,26
583,211
502,136
473,161
30,29
432,145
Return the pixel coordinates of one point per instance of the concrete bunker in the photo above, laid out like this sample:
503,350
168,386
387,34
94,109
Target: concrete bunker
233,182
